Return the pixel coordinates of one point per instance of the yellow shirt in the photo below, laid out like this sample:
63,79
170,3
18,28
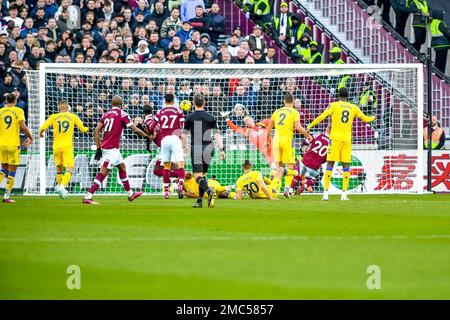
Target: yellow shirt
218,188
284,119
249,182
10,118
342,115
191,186
63,126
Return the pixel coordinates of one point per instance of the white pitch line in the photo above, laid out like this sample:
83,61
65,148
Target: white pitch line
228,238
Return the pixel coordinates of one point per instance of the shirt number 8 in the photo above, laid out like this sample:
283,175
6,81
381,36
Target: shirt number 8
345,115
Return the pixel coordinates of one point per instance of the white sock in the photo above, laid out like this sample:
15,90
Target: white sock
130,193
88,196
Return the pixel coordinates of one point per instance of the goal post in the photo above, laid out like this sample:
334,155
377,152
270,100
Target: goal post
387,154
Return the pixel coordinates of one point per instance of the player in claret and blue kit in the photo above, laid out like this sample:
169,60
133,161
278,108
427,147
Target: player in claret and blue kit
112,124
311,162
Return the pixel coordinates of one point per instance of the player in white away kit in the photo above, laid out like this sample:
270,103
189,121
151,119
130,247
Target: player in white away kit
112,123
170,119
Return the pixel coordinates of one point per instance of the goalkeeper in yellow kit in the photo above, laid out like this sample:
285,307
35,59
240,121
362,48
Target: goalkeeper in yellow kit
342,114
63,124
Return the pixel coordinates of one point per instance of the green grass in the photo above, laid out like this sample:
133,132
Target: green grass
289,249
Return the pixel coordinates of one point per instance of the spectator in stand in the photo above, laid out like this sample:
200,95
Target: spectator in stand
13,15
270,56
237,31
143,8
199,22
28,26
143,51
139,21
159,14
185,56
241,56
65,21
153,43
40,19
187,9
108,11
281,24
195,38
256,40
52,30
73,12
185,32
226,58
401,15
440,39
7,85
258,56
207,44
386,4
215,23
233,45
172,21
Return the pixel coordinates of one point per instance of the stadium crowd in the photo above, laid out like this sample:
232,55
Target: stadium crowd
154,31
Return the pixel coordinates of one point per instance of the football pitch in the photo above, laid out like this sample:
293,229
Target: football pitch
297,248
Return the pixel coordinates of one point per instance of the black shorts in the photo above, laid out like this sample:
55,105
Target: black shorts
201,157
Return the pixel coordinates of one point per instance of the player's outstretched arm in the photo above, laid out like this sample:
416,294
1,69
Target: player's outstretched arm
139,132
219,143
235,128
299,128
45,127
239,194
363,117
80,125
98,153
268,131
27,132
320,118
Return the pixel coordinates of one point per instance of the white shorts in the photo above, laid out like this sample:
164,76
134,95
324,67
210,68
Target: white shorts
308,172
171,149
112,156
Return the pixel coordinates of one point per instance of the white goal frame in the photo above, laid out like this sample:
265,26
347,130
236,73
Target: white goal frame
318,69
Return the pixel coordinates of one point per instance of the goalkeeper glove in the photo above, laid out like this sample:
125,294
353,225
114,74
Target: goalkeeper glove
225,114
98,154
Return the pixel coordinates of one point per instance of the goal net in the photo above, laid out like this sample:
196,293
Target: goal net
387,154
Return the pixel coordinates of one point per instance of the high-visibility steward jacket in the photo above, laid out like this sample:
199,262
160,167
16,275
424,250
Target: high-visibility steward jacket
438,40
435,137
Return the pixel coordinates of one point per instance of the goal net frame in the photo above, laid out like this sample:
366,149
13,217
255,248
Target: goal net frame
38,158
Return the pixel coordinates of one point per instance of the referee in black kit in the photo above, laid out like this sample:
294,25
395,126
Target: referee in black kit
202,127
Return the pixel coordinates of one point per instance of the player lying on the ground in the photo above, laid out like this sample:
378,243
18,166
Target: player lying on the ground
63,124
171,121
342,114
256,134
112,124
253,183
311,162
191,188
12,120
